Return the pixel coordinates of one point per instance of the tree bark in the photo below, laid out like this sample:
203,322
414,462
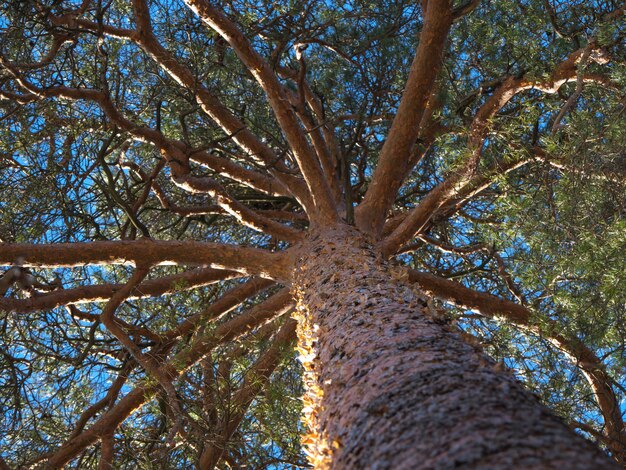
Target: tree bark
582,356
246,260
390,385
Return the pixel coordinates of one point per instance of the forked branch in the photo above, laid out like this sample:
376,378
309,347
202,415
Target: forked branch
275,306
279,101
450,188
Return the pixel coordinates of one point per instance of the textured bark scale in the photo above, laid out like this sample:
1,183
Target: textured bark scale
390,386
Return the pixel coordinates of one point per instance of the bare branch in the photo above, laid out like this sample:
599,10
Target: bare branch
583,357
166,285
249,261
393,164
278,100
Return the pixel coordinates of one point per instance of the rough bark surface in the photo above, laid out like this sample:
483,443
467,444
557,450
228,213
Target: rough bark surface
391,386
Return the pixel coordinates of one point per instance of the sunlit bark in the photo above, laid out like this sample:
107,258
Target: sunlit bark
310,166
390,386
252,261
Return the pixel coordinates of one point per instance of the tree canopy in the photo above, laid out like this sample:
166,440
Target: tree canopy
160,158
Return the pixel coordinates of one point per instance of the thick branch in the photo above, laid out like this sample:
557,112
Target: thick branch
393,163
105,401
478,184
479,129
107,452
249,261
318,138
253,179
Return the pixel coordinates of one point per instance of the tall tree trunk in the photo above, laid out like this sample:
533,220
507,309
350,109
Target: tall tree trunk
390,386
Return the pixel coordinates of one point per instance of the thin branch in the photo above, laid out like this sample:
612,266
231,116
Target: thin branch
613,174
214,209
112,190
212,107
226,303
275,306
242,213
150,365
465,9
255,381
59,39
571,101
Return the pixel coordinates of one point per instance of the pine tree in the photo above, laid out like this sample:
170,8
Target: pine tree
378,217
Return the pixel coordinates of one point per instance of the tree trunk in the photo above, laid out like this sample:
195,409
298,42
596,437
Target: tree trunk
389,385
